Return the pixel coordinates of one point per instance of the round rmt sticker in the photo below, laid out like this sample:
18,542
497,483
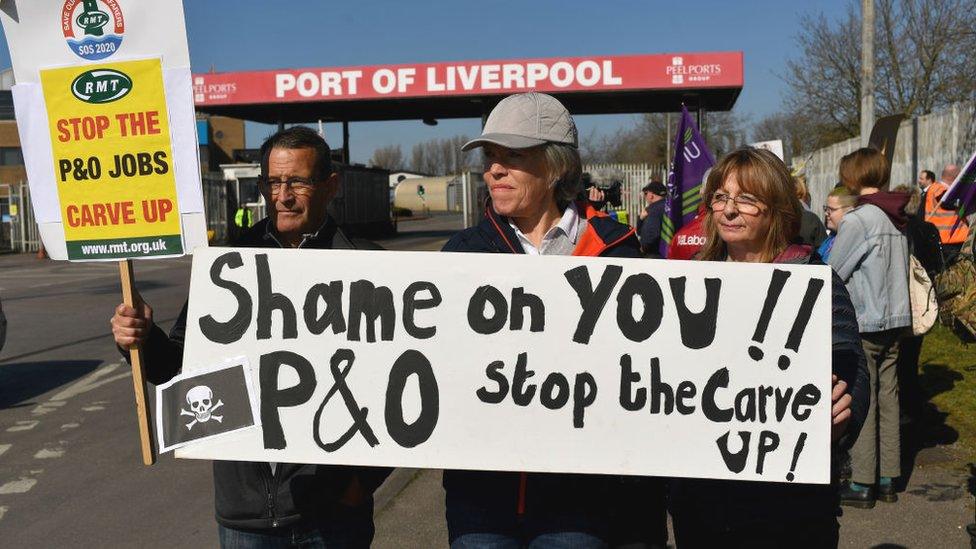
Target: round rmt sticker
93,28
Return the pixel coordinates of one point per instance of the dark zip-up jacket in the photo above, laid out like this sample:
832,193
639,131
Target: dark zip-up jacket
649,230
717,512
613,508
247,496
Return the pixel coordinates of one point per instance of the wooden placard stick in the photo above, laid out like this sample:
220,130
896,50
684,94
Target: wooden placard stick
135,359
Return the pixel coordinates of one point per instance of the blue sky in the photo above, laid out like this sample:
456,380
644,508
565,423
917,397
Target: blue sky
231,35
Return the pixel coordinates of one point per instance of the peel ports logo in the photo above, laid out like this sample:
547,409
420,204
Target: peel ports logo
677,78
92,28
682,72
101,86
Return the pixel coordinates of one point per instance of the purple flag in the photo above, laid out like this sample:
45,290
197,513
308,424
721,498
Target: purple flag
691,160
963,191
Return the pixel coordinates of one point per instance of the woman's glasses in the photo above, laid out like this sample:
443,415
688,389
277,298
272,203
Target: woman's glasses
744,203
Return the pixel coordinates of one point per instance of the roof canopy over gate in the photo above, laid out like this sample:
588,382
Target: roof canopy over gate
469,89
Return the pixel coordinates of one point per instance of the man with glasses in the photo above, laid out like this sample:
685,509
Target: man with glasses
298,183
275,504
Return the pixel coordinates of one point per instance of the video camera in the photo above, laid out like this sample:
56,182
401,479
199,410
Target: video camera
608,181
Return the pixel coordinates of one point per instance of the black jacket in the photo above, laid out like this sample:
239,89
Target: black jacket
812,230
613,508
730,513
649,230
247,495
925,244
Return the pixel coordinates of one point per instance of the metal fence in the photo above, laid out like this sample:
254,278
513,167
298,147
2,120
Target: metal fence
473,194
24,236
635,177
470,190
216,203
925,143
362,206
6,222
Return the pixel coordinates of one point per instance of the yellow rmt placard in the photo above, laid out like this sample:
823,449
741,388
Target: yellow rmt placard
113,160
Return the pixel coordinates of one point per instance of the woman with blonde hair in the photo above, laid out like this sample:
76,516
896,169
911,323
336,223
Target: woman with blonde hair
753,215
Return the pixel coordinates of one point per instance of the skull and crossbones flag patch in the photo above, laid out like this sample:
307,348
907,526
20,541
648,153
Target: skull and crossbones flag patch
205,403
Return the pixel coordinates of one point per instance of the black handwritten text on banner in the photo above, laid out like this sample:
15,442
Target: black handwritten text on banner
527,363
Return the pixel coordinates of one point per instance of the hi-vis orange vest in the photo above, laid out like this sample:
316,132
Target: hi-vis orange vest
943,219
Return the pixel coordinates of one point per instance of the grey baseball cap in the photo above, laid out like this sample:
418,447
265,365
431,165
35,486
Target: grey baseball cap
527,120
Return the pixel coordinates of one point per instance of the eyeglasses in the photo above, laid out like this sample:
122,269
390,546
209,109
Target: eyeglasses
744,203
829,210
297,185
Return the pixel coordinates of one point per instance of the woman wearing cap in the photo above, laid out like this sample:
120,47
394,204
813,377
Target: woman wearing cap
752,216
533,172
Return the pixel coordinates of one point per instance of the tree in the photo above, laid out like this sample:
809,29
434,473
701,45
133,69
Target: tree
420,160
923,62
442,156
825,81
925,54
389,158
724,132
792,128
647,141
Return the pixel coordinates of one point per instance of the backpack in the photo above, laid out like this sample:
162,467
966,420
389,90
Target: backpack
957,293
925,245
921,293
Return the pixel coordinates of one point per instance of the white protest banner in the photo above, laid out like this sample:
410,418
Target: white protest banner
524,363
104,109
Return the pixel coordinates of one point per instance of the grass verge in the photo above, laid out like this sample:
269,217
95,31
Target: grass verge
947,373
